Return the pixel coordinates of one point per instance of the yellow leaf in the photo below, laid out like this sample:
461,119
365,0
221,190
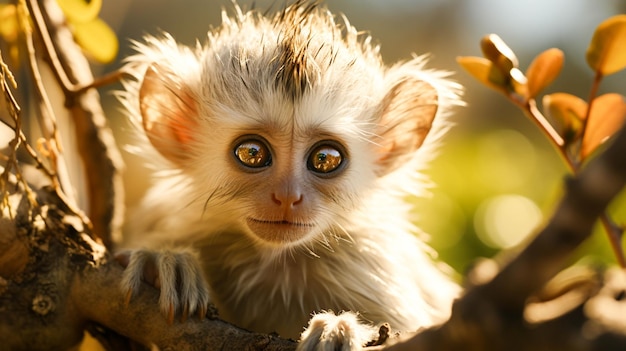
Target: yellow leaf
606,53
496,51
568,112
8,22
80,11
97,39
543,70
607,115
483,70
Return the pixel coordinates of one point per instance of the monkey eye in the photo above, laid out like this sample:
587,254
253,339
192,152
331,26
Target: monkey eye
325,157
253,153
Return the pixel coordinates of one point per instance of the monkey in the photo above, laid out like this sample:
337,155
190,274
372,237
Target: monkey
284,150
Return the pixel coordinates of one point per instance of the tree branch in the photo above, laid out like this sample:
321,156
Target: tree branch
491,316
102,161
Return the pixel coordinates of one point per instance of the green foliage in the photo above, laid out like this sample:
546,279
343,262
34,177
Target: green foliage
578,127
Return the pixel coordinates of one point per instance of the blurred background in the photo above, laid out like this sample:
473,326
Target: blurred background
497,178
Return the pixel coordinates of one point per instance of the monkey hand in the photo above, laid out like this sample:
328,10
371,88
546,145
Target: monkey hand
330,332
177,273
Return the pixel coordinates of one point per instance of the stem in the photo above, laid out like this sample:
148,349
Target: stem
69,88
47,120
614,233
57,69
530,109
592,96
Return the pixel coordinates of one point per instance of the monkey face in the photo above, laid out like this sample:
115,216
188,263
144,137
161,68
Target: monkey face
283,125
293,181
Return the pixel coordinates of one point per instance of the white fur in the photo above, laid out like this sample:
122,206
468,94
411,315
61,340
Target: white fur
364,255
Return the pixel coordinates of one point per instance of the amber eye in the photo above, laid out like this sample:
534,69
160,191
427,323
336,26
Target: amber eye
253,153
325,158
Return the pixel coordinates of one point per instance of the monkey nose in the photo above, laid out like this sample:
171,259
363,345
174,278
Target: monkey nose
289,199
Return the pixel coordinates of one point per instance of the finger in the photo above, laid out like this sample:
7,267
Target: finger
133,273
168,299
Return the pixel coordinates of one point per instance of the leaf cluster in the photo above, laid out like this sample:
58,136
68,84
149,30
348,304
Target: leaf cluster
91,33
576,127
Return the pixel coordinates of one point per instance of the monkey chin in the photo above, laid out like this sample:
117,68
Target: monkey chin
279,233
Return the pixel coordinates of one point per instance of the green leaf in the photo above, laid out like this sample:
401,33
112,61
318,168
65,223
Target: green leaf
607,115
568,113
97,39
80,11
543,70
606,53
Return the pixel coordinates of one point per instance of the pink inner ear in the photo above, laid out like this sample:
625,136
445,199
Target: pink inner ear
168,112
407,114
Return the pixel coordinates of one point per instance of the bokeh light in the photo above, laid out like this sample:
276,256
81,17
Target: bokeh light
504,221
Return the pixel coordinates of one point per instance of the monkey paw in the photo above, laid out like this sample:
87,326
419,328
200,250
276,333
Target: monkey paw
329,332
177,274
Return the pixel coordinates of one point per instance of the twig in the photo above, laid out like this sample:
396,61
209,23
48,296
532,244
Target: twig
57,68
12,164
47,120
529,108
595,86
102,161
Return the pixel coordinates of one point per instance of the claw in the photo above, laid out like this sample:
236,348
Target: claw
170,314
202,311
128,296
185,313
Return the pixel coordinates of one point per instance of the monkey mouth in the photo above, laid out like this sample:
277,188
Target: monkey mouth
283,222
279,232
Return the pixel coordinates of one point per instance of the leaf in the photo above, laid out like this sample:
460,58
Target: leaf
607,115
8,22
543,70
606,53
519,82
568,113
80,11
97,39
496,51
483,70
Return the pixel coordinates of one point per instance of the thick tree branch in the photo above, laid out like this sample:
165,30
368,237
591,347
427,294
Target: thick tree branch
55,280
100,299
491,316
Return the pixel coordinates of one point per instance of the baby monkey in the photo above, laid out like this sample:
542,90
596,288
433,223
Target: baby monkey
286,149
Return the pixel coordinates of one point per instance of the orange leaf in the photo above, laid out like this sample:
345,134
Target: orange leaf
519,82
496,51
568,112
606,53
483,70
607,115
543,70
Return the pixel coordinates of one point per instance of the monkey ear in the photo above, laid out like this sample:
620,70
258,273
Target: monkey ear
408,111
168,112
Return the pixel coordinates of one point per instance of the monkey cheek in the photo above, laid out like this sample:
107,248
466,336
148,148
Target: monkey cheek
279,232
